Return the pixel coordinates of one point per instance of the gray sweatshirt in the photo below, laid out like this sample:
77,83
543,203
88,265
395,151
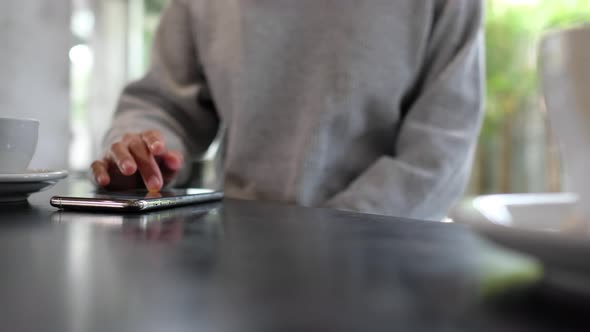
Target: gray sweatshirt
371,106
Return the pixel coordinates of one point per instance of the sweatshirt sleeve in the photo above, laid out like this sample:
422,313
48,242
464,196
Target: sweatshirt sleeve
438,135
173,96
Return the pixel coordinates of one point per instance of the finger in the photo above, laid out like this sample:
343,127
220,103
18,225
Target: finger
122,157
101,173
170,164
173,160
147,165
154,141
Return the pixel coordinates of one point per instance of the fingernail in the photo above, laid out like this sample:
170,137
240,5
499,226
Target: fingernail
127,167
156,146
176,163
177,159
102,180
154,183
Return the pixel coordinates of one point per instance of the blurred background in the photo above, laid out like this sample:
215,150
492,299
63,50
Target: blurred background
78,54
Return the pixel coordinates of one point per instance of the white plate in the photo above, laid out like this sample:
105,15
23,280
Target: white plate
544,226
18,187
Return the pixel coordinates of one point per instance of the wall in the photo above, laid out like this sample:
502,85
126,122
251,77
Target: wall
34,72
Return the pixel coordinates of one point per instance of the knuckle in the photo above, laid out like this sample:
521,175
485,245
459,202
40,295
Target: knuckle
136,146
143,159
142,155
128,136
97,167
152,133
134,140
117,146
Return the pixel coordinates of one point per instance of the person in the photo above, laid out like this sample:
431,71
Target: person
372,106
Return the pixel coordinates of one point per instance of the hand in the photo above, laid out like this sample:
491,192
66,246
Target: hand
138,160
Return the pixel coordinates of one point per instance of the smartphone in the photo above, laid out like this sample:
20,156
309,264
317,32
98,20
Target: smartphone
135,200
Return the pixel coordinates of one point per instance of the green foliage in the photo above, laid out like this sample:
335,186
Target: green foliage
154,7
512,34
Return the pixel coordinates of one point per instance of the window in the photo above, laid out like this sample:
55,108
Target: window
112,47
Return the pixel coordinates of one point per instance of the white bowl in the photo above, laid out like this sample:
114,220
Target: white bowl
545,226
536,212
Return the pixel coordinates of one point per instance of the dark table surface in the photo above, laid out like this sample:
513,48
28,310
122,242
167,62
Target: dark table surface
251,266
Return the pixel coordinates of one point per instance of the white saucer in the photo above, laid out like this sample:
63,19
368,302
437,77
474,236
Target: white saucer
16,187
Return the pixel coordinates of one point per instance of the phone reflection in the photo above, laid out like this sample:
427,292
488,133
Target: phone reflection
170,225
153,194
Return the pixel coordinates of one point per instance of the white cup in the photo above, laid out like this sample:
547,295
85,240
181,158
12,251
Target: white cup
563,59
18,141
